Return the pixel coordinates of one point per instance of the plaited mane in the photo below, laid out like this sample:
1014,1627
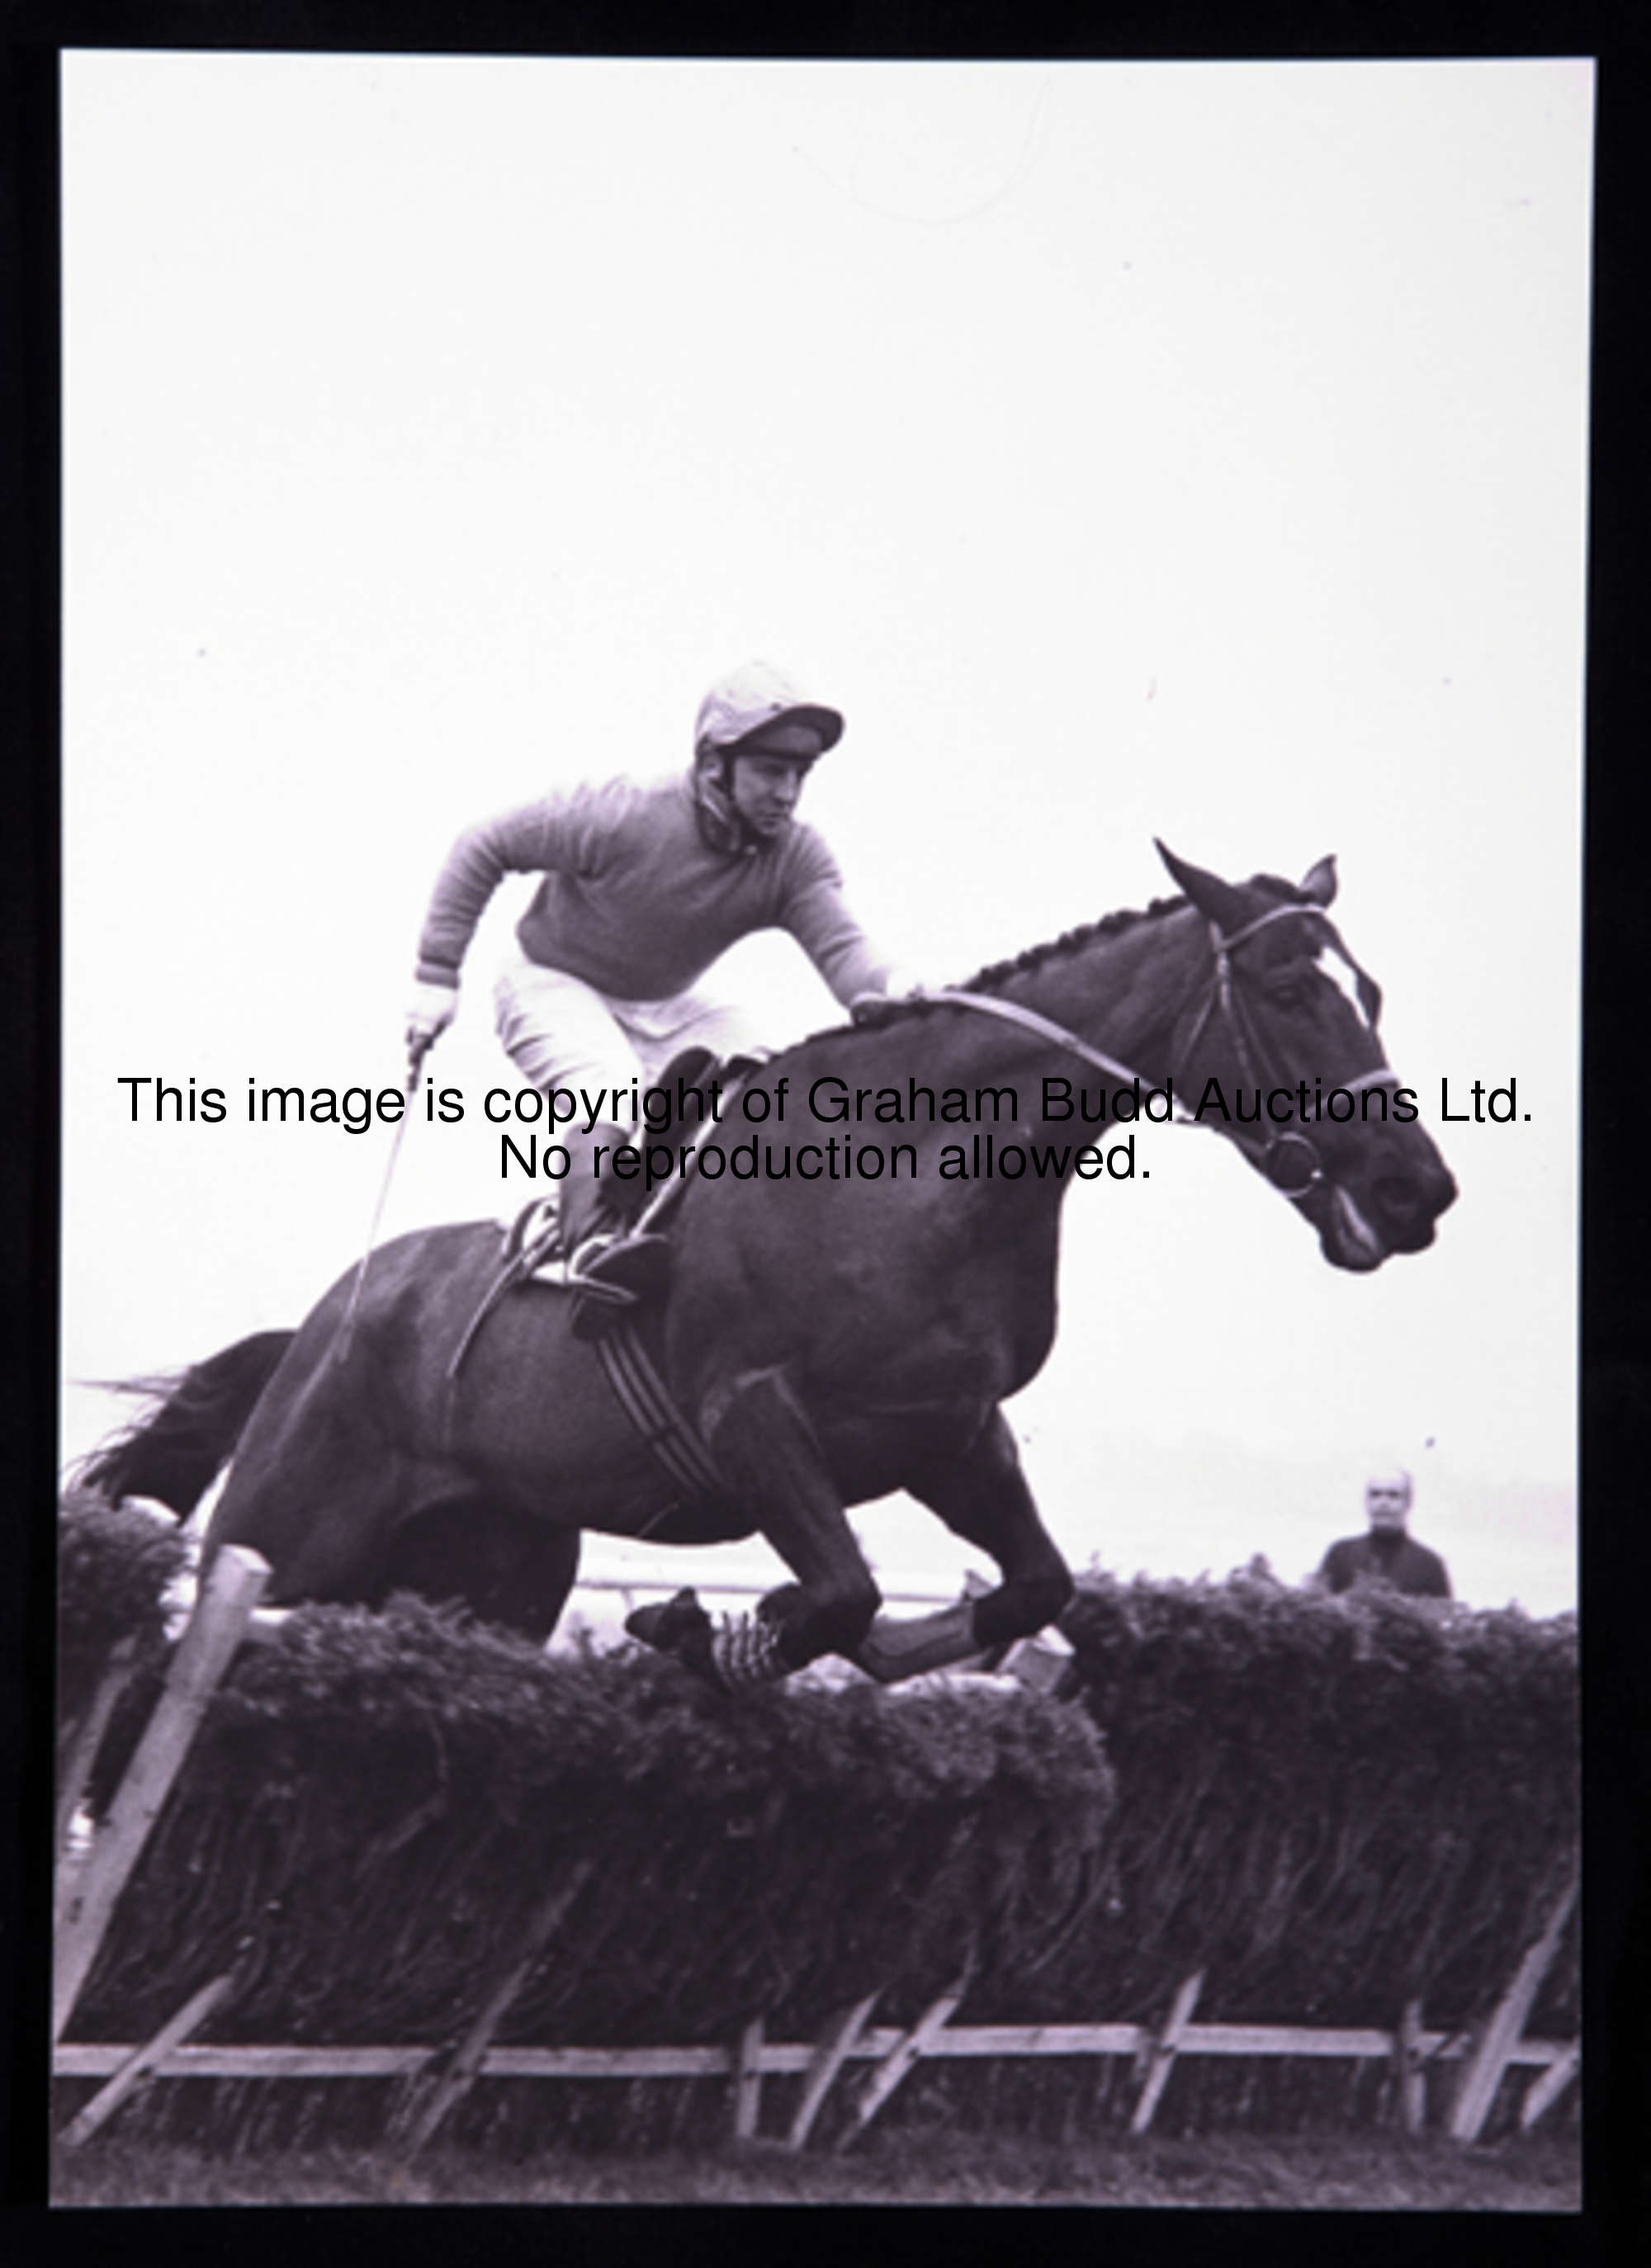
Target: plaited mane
1072,940
989,978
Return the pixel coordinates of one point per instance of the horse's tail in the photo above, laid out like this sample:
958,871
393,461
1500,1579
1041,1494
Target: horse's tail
174,1454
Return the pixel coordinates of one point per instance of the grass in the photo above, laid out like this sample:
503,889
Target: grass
1531,2174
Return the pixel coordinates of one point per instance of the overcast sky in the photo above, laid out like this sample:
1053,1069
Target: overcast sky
1190,450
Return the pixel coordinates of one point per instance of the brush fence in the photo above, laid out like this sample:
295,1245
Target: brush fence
394,1856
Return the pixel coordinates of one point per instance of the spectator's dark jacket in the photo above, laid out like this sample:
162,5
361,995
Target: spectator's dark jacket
1397,1561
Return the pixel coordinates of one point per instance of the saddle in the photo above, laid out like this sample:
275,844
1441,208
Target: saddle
607,1308
614,1273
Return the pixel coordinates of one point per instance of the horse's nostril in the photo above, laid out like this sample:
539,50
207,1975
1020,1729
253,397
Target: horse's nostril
1398,1198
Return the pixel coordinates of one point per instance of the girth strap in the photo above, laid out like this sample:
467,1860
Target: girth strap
630,1370
646,1399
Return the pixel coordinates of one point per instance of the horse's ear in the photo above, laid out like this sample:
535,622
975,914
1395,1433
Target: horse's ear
1318,884
1216,900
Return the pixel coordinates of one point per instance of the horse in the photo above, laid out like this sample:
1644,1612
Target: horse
828,1340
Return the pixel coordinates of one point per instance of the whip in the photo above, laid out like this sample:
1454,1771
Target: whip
346,1329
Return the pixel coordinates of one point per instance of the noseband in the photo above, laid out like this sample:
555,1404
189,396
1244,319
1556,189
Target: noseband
1271,1155
1274,1155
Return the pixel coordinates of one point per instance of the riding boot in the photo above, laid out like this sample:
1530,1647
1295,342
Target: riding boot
689,1069
612,1270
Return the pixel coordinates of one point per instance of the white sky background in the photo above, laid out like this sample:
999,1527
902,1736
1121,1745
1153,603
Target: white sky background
1182,450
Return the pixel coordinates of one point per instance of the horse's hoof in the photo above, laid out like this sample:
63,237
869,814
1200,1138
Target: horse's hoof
678,1626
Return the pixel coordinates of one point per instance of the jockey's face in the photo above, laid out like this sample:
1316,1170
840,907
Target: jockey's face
764,786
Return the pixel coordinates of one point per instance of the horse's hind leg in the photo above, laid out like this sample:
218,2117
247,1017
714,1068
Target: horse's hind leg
507,1568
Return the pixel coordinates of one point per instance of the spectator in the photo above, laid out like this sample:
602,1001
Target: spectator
1389,1555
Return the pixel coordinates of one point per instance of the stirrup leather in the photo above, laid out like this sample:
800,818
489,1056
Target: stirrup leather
577,1276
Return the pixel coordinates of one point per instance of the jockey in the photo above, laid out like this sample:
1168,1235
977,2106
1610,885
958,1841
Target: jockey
644,888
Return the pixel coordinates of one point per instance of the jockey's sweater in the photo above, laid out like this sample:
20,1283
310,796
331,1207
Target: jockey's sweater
644,888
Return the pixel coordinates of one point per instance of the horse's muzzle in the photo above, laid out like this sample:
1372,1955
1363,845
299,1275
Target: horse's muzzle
1362,1222
1407,1205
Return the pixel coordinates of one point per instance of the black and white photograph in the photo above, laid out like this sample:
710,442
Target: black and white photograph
820,1004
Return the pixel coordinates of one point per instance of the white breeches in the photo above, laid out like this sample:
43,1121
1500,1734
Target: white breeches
559,1031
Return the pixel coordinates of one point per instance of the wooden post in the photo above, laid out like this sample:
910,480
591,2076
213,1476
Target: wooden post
1162,2055
1476,2090
836,2042
88,1738
887,2075
1548,2087
1409,2070
203,1654
748,2081
142,2061
419,2120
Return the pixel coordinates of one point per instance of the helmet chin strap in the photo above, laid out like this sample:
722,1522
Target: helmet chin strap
720,819
725,826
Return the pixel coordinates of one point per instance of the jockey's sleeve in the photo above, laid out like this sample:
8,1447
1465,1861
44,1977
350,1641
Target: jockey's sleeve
555,833
818,917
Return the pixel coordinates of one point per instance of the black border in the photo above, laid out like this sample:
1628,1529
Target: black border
1615,1355
1616,1350
28,1168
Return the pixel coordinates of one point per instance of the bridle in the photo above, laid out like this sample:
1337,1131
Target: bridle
1221,995
1254,1068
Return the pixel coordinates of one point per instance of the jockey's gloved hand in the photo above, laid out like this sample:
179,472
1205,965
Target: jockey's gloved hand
898,984
434,1007
904,984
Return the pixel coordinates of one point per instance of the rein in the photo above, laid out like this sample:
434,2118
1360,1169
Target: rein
1252,1054
632,1374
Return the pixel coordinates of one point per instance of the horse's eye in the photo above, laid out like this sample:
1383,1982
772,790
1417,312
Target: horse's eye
1292,993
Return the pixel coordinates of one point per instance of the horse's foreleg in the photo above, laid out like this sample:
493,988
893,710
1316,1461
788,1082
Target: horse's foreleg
981,1494
764,1444
905,1645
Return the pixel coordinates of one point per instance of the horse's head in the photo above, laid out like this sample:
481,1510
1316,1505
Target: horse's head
1269,1020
